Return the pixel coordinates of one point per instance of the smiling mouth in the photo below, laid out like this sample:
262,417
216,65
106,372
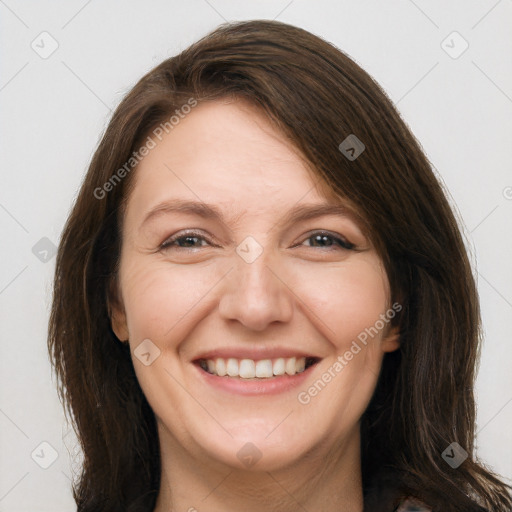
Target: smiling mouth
256,369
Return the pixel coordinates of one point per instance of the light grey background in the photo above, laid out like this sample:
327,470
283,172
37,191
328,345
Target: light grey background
55,108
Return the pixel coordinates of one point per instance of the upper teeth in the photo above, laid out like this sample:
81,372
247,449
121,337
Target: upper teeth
249,369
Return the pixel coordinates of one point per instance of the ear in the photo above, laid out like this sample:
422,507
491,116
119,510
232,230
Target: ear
116,312
391,341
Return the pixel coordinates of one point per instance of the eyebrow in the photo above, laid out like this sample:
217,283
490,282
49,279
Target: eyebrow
300,212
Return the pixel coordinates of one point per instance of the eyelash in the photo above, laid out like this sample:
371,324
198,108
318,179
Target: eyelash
342,243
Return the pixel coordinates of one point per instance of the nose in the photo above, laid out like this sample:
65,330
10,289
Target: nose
256,294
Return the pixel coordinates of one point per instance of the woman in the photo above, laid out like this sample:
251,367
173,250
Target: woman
262,299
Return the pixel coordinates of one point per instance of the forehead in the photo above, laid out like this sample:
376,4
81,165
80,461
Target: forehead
226,152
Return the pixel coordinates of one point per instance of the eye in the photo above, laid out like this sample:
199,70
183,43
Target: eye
189,240
195,240
328,241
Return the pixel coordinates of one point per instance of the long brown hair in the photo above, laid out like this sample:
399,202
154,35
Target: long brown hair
317,96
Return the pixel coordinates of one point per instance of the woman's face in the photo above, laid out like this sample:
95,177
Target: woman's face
233,262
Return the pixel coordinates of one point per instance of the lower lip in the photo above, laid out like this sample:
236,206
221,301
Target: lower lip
270,386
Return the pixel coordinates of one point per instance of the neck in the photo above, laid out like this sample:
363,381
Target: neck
327,479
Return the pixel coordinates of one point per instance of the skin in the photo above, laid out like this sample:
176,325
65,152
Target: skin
298,293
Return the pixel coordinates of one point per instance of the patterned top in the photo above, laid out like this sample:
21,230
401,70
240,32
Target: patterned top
411,505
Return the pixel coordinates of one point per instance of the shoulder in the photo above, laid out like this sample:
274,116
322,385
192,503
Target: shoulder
412,505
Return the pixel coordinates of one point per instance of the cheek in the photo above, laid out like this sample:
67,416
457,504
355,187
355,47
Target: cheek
348,306
160,297
346,300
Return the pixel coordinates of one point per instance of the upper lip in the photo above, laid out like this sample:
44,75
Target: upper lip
256,354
